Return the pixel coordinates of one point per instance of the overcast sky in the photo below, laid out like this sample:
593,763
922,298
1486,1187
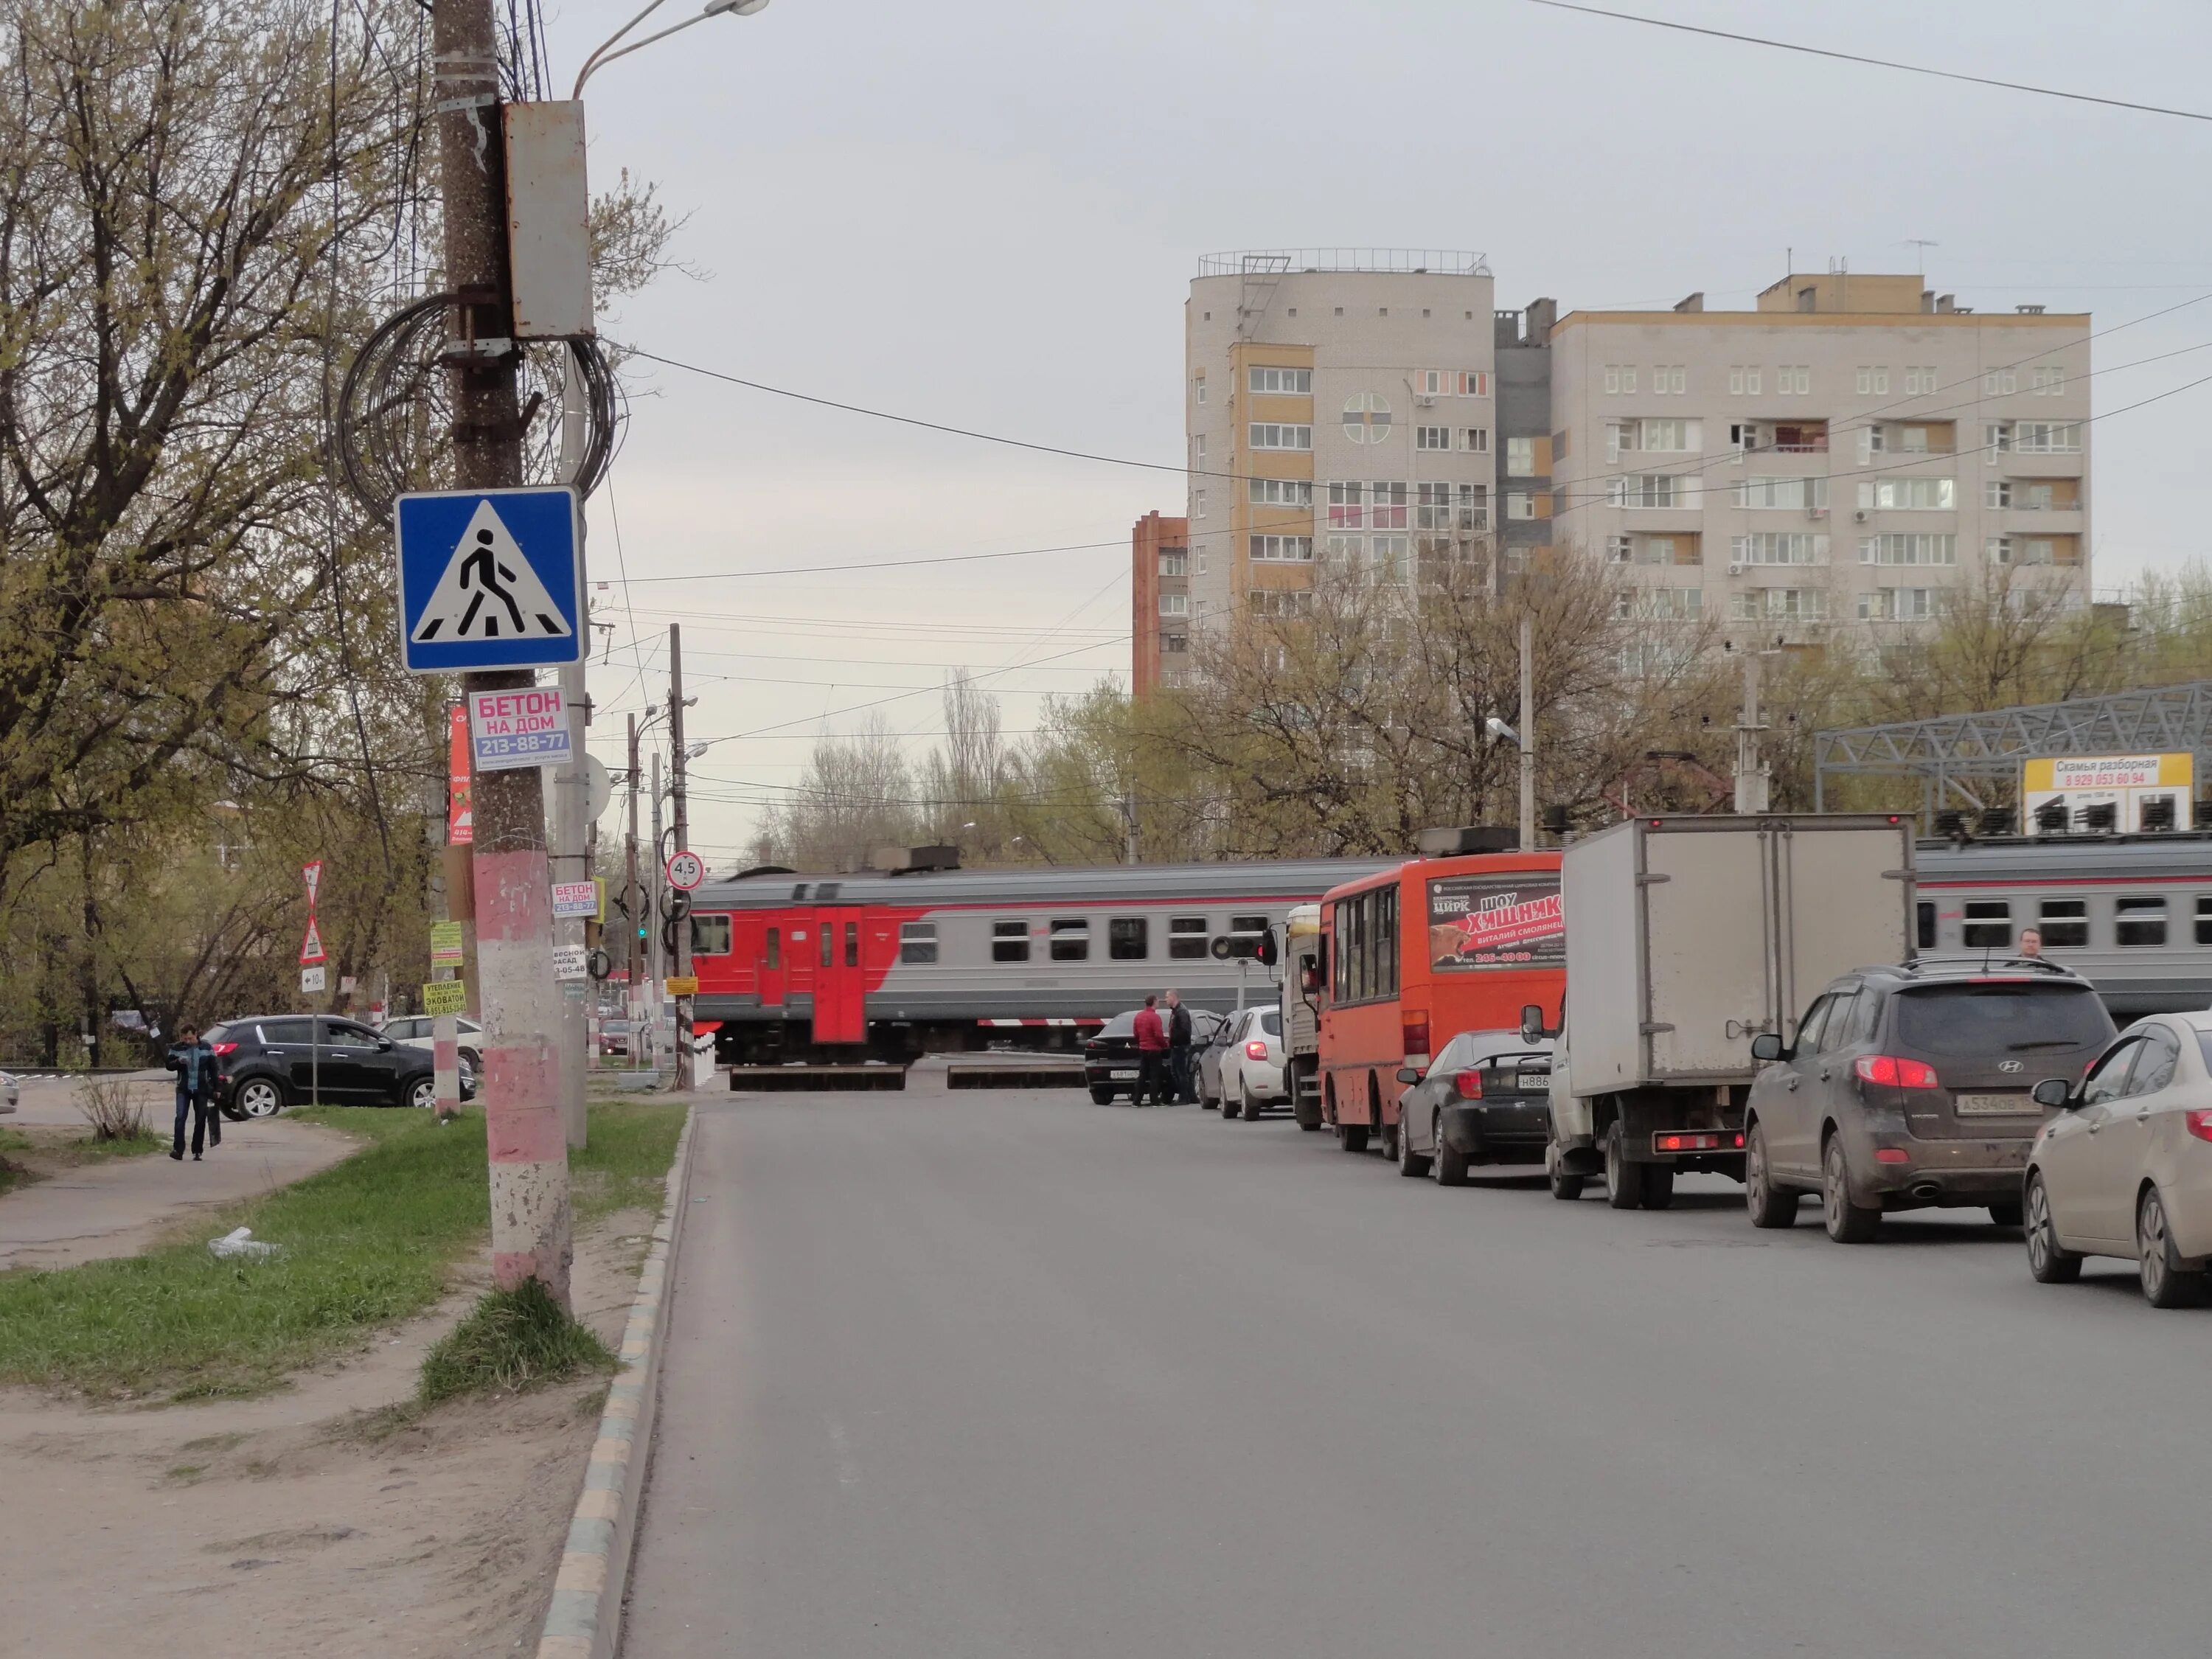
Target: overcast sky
987,214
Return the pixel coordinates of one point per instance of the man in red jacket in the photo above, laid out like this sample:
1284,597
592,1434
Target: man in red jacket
1151,1056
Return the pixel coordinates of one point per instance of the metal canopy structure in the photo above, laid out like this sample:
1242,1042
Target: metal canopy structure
1958,757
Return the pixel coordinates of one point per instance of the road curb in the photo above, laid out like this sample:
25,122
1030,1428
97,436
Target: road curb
584,1619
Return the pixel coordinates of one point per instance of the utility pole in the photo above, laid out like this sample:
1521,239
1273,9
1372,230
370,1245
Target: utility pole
657,969
1752,777
681,967
633,894
1527,733
571,861
529,1153
1129,812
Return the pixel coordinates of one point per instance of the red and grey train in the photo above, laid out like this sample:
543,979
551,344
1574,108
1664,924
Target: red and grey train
794,967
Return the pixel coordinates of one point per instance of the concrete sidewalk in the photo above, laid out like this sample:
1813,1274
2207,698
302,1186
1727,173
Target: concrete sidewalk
125,1206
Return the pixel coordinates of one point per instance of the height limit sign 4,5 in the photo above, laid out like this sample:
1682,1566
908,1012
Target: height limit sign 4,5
491,579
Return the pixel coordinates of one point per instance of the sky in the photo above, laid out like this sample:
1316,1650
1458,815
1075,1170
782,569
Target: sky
987,214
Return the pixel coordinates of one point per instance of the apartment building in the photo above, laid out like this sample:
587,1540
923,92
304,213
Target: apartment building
1160,634
1853,452
1340,404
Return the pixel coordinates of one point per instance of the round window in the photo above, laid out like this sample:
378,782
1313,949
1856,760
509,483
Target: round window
1367,417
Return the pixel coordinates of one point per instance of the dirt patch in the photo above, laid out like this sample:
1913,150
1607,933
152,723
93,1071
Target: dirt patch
327,1519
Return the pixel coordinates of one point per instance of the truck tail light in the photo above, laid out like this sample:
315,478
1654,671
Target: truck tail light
2199,1123
1895,1073
1469,1084
1698,1140
1414,1029
1255,1049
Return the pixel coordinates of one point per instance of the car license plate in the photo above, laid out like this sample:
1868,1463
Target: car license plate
2012,1105
1118,1075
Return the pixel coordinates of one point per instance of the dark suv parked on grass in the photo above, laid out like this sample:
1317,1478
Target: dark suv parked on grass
1908,1087
265,1062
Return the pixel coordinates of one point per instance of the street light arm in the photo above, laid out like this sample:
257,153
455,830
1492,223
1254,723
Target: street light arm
638,45
597,58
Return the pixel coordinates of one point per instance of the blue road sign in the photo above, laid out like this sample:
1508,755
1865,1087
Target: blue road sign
491,579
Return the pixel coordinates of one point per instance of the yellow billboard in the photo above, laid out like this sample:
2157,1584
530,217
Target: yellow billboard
2142,791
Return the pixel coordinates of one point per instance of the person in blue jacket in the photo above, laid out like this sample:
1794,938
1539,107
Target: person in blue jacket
194,1062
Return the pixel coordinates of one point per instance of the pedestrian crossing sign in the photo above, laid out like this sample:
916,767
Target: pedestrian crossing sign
491,579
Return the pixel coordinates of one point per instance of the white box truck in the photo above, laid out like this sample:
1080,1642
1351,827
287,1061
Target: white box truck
1686,938
1302,980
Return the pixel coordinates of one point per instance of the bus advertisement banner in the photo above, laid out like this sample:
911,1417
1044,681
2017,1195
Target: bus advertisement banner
1477,922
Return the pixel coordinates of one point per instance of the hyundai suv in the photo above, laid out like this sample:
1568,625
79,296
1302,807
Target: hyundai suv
265,1062
1909,1088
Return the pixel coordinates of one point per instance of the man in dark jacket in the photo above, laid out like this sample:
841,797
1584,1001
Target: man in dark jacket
1151,1056
1179,1073
194,1062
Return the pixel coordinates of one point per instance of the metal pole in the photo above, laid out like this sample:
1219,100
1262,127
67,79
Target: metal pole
1751,775
529,1154
1129,812
1528,733
683,968
633,896
657,969
570,861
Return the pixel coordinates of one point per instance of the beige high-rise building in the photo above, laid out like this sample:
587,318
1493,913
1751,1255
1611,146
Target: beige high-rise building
1853,452
1339,403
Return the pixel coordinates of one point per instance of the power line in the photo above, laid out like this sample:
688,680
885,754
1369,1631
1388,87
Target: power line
890,564
1877,63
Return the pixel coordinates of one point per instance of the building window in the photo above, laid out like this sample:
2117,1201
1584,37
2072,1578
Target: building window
1520,457
1010,941
1619,378
1386,505
1282,492
2047,438
1280,603
1781,494
1432,437
1793,379
1920,379
1475,440
1198,448
1433,382
1387,566
1997,382
1344,552
1669,379
1997,549
1070,940
1201,384
917,941
1996,437
1187,938
1908,494
1474,383
1900,604
1908,549
1996,492
1778,547
1282,382
1198,503
1174,561
1201,562
1989,925
1433,506
1281,549
1779,604
1270,434
1873,380
1620,550
2065,922
1474,506
1127,938
1172,642
1668,437
1664,490
1344,511
1175,604
2046,382
1520,504
2139,923
1673,604
1367,417
1743,379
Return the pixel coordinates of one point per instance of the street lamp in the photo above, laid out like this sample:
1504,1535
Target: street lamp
713,8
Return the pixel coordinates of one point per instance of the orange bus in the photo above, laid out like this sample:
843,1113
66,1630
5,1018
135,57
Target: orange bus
1412,956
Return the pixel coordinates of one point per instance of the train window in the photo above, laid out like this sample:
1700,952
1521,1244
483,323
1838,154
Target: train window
829,946
2065,922
1071,940
827,891
852,945
1127,938
1186,937
2204,918
710,936
1248,924
775,948
917,941
1926,920
2139,921
1989,924
1010,941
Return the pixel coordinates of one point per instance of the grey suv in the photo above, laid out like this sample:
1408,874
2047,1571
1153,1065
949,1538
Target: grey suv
1908,1088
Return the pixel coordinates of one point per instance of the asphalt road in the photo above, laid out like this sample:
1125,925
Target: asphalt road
973,1375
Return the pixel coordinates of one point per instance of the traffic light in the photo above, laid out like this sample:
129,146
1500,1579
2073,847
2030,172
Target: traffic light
1265,951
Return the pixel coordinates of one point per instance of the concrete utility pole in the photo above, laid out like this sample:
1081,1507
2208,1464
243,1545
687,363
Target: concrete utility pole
656,949
1129,812
529,1154
1527,733
682,967
1752,777
633,896
571,861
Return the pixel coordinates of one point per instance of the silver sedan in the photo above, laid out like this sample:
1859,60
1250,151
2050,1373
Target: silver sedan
2125,1168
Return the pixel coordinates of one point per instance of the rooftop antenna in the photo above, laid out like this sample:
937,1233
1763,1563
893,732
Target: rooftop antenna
1921,245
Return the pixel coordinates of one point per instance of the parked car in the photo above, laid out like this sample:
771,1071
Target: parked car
1910,1087
421,1032
1248,1063
1206,1053
614,1034
1485,1098
265,1062
1109,1055
2124,1168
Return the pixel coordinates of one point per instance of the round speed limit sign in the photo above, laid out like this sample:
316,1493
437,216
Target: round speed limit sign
686,870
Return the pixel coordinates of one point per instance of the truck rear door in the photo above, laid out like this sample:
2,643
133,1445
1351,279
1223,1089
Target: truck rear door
1706,945
1843,906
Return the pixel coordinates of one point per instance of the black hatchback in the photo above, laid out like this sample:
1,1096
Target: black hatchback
265,1062
1110,1056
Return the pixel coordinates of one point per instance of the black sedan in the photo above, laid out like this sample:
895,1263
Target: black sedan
265,1062
1486,1098
1109,1056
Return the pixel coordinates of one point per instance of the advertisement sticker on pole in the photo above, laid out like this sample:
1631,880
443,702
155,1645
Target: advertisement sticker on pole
528,726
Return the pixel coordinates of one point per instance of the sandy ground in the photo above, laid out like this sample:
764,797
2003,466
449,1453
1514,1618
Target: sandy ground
290,1524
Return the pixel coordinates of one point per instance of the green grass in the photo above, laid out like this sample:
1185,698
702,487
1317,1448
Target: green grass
365,1243
25,1157
511,1341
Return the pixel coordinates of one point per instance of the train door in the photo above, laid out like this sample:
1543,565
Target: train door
768,964
839,986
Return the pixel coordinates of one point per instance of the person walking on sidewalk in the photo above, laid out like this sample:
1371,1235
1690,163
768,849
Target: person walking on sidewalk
1179,1075
1151,1057
194,1062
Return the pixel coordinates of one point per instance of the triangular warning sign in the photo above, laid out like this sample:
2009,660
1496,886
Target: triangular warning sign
488,591
311,948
